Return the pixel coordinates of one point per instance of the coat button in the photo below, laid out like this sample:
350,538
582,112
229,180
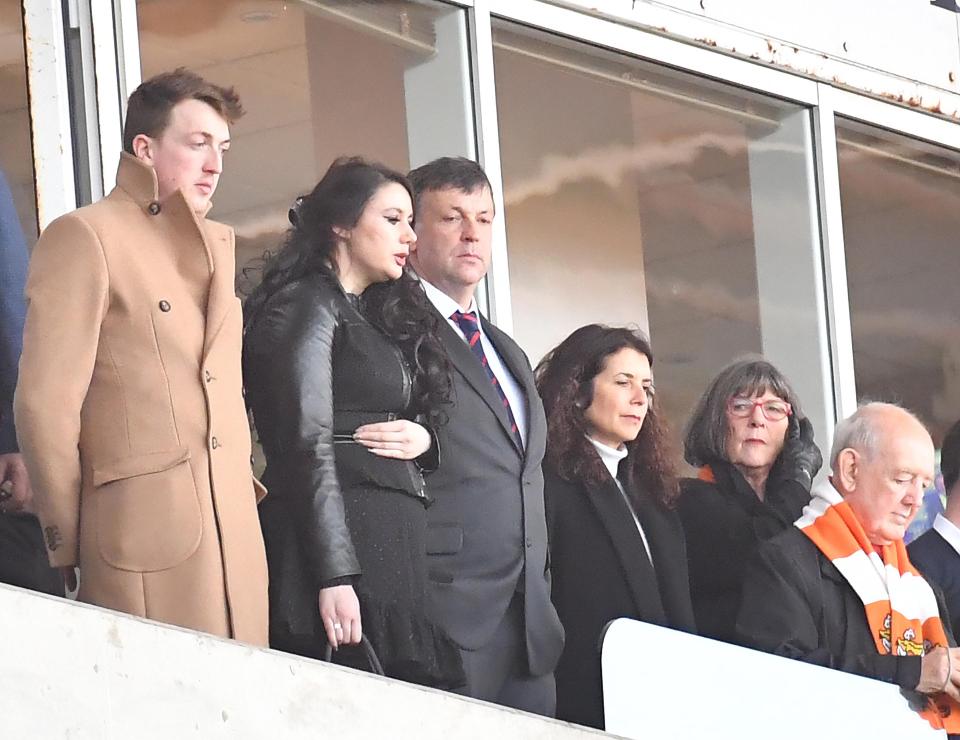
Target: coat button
529,542
214,443
207,376
153,208
164,306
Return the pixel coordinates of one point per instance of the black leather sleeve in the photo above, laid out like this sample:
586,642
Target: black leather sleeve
298,393
429,461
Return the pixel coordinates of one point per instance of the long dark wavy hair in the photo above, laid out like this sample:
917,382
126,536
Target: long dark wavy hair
399,308
565,382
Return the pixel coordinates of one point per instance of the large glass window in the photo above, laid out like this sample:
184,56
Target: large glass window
901,218
16,161
319,79
635,194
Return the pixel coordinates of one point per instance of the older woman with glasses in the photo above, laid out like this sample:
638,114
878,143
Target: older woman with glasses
757,458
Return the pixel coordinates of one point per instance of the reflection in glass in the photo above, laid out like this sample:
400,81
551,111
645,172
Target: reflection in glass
635,194
16,162
319,79
901,217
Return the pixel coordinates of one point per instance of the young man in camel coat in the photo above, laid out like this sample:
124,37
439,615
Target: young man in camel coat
129,407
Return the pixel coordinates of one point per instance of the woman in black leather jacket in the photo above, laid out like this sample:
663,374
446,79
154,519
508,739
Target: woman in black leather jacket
345,375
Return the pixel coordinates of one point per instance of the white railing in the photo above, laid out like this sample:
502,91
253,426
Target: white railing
668,685
75,671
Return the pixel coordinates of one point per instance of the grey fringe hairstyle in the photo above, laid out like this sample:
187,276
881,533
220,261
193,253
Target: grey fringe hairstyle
705,440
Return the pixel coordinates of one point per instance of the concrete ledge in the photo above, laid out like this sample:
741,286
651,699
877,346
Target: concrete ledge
76,671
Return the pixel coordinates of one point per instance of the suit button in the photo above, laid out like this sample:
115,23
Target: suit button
214,443
164,306
529,542
153,208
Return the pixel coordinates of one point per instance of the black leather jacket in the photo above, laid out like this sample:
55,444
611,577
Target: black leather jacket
315,369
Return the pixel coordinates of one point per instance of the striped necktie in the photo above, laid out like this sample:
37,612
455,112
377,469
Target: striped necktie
470,327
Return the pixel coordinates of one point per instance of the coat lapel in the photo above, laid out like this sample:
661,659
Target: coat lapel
219,241
622,531
665,536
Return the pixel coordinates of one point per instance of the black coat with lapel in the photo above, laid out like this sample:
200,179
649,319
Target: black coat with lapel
940,564
601,572
487,536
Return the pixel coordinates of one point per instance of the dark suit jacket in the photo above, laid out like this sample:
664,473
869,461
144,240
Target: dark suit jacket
940,564
601,572
13,276
487,532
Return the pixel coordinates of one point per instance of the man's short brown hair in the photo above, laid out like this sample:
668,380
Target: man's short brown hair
148,109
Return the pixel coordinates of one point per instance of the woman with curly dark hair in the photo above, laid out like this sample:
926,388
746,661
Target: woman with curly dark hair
345,375
616,544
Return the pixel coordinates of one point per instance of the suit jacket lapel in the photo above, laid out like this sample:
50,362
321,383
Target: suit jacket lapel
519,367
622,531
469,367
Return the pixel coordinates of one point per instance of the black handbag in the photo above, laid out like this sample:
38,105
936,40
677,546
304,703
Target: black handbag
368,651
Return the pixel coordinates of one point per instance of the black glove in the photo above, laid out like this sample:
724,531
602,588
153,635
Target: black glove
800,460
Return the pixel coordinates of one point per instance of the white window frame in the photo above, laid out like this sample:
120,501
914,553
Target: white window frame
52,138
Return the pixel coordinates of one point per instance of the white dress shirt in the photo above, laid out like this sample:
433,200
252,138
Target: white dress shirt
611,458
511,389
948,530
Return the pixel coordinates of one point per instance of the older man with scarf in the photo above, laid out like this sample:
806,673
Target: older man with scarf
837,589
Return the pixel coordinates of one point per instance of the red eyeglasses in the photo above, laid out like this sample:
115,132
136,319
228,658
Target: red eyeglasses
772,409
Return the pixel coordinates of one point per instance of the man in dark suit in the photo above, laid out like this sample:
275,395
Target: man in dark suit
23,556
487,537
936,553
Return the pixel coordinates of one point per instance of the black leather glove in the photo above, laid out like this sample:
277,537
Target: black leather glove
800,460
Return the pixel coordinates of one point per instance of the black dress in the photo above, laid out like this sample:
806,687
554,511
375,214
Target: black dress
315,369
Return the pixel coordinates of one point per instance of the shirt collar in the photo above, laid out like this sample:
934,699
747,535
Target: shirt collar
948,530
609,456
444,303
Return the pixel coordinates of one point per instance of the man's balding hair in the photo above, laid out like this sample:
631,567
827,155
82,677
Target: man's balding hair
860,431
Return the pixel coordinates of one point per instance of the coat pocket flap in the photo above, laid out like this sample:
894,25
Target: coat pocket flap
130,467
444,539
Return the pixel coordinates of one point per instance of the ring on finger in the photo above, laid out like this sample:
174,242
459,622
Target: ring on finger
337,626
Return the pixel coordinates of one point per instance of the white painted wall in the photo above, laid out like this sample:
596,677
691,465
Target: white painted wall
75,671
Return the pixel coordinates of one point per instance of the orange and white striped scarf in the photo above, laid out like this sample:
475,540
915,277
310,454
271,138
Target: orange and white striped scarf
901,607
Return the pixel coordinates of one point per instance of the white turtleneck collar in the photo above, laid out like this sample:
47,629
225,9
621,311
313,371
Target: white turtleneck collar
610,456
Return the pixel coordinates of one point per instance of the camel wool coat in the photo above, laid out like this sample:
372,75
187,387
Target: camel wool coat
130,413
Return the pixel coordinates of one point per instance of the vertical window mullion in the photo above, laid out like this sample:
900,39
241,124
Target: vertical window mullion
497,291
835,265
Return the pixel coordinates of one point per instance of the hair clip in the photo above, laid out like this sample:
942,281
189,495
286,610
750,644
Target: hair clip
293,215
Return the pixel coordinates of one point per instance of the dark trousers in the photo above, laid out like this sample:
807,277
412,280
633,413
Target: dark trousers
23,556
498,671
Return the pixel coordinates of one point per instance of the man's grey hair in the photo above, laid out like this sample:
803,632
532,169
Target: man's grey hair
860,431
